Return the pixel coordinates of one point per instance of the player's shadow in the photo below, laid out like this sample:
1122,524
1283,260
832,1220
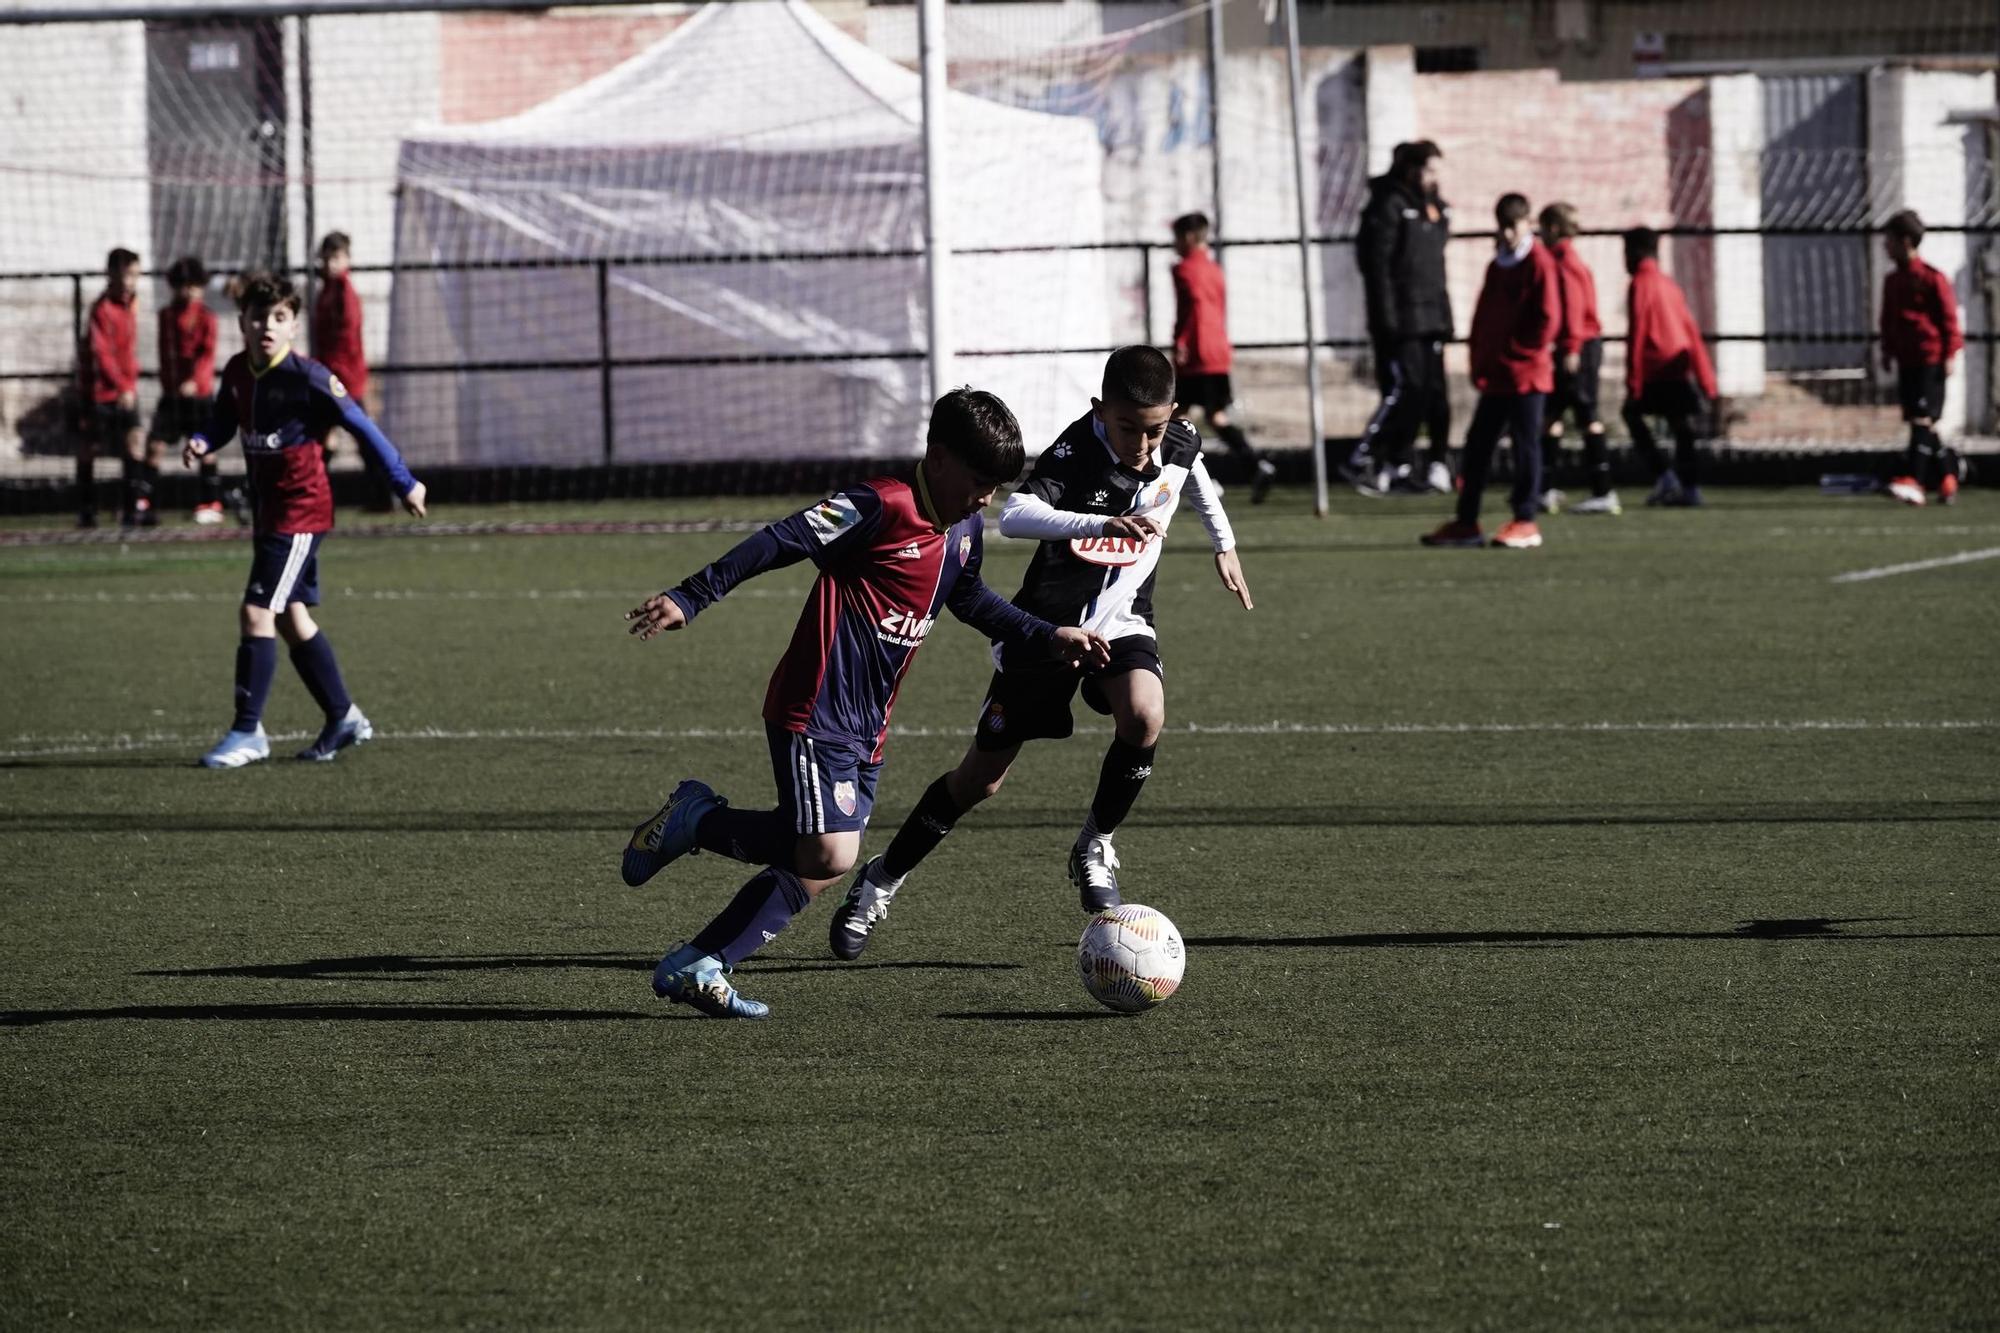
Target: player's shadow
1035,1015
418,967
329,1013
1790,928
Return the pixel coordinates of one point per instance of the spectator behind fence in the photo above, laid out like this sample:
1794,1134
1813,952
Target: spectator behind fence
107,366
1579,361
187,377
1667,371
337,344
1513,367
1400,250
1920,336
1202,354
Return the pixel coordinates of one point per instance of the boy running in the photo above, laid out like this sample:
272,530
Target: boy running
1513,328
891,556
187,375
1099,501
1920,336
282,404
108,371
1202,353
1579,359
1667,371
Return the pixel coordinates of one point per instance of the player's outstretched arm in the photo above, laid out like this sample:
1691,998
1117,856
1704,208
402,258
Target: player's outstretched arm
1230,570
655,616
373,441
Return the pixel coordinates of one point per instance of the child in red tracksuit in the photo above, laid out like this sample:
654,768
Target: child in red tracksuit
1920,336
1202,353
107,365
1667,371
1513,366
1579,363
187,376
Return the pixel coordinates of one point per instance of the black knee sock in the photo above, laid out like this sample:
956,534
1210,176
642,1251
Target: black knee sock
1125,770
1597,461
927,826
211,484
758,837
128,470
1239,444
86,484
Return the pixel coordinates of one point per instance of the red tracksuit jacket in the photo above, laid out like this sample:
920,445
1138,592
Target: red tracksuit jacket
336,333
1920,316
111,350
187,348
1201,316
1579,299
1664,343
1514,324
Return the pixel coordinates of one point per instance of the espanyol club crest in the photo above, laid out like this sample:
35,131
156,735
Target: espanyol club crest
964,548
334,386
1162,495
843,796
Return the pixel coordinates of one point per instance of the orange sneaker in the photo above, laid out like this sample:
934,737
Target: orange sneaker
1455,533
1948,490
1518,535
1907,490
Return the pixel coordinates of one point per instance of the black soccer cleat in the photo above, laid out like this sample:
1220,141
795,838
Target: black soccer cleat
1093,869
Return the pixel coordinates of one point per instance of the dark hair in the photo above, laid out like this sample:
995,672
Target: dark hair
1191,224
119,259
1558,222
1511,209
334,243
187,271
1410,158
976,428
1641,243
1140,375
1908,226
264,291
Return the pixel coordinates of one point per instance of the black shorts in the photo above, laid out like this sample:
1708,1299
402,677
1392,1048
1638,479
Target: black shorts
113,423
1578,393
1670,398
1032,703
284,568
1920,389
176,418
1210,393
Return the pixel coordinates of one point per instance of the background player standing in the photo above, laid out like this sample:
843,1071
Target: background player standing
1202,352
1400,250
891,555
1099,502
1667,371
282,404
108,375
1579,361
1920,336
187,375
1513,367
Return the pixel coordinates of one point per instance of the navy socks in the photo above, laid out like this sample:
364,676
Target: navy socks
316,666
757,837
755,916
256,664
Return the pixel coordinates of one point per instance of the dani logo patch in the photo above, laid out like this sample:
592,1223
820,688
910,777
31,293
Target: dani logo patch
1115,551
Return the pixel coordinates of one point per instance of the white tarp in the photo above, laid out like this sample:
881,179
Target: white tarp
754,136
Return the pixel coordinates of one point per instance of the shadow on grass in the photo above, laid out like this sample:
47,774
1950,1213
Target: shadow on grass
1313,815
1797,928
324,1013
402,967
1036,1015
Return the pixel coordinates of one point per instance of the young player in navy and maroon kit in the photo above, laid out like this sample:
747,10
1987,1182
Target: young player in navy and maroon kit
108,381
892,556
1579,360
1920,336
1513,329
1202,352
1667,371
187,376
1099,503
282,405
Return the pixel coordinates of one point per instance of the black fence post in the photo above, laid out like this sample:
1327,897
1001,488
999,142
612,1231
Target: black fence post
75,310
604,354
1146,288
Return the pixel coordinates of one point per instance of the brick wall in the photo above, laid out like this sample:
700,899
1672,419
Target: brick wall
540,56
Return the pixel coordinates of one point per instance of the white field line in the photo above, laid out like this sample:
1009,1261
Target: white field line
28,746
1916,566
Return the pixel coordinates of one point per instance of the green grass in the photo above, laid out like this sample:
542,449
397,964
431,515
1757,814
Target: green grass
1560,1027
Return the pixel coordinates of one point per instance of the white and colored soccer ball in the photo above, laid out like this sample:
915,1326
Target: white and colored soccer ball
1130,958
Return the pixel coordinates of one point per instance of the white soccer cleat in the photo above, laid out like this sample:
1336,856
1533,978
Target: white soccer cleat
1438,479
237,748
1551,501
1906,489
1606,503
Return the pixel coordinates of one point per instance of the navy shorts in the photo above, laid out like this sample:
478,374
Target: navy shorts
1032,702
285,569
824,785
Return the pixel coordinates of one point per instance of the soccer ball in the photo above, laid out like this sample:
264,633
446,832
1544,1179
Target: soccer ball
1130,958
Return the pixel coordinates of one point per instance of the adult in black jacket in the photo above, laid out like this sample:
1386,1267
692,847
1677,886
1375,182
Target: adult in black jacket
1400,250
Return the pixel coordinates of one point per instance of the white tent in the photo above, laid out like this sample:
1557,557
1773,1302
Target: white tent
714,172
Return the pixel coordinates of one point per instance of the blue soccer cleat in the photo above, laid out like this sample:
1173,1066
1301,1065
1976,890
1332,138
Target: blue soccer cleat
669,834
701,982
237,748
352,729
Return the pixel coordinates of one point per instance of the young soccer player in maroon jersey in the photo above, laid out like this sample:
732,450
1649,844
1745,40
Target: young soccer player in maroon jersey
1203,355
187,376
281,404
108,382
892,555
336,318
1667,371
1513,367
1920,336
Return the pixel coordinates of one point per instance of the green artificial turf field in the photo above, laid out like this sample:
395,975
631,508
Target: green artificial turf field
1602,937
